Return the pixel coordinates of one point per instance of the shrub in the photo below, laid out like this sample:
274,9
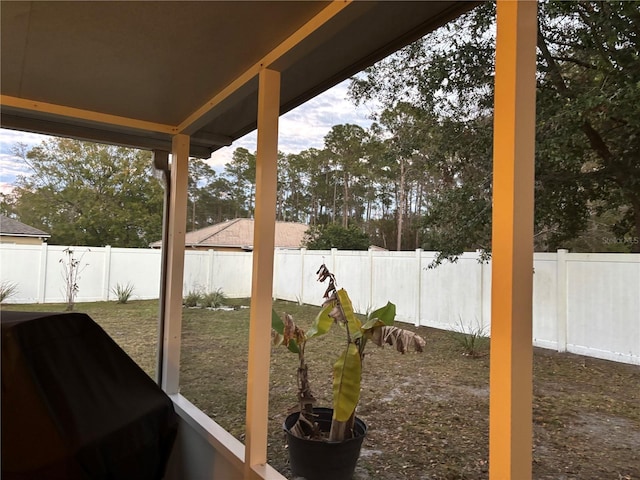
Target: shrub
123,293
473,341
213,299
192,299
7,289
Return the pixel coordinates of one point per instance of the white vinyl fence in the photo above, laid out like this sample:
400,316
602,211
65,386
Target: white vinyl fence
582,303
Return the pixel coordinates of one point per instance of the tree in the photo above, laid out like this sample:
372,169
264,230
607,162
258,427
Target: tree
90,194
7,204
407,149
589,97
323,185
326,237
293,187
215,203
346,147
210,196
588,116
241,172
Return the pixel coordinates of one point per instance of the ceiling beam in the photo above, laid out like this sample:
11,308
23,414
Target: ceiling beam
201,147
25,104
200,117
206,138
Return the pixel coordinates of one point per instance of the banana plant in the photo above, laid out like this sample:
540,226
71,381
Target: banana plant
337,309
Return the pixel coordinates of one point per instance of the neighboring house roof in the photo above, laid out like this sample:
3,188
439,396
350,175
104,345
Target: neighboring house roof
14,228
238,233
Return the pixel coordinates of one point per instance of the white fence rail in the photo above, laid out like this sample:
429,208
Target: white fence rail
583,303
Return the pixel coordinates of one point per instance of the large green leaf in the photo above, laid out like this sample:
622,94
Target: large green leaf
346,383
276,322
293,346
322,322
371,324
387,313
350,317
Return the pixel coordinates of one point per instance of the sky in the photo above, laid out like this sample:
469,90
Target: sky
302,128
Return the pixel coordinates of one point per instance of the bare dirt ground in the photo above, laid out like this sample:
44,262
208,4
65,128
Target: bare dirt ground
428,415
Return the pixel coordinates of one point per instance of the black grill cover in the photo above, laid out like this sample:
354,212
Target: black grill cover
75,406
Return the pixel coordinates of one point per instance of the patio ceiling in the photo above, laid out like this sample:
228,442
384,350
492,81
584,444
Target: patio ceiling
136,73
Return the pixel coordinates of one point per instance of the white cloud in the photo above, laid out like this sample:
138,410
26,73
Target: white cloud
6,188
10,167
221,157
10,138
306,126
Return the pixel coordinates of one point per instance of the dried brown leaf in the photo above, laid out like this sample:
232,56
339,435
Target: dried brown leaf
337,314
324,273
291,331
276,338
399,338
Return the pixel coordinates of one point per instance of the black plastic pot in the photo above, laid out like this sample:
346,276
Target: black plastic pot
321,460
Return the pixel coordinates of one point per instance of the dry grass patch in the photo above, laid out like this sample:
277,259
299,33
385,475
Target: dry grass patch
427,413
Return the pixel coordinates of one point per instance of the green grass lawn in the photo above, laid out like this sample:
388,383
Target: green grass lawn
427,413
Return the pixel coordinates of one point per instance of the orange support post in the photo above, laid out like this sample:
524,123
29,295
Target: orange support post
511,378
262,280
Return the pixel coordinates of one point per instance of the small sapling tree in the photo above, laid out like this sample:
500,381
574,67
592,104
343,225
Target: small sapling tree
72,267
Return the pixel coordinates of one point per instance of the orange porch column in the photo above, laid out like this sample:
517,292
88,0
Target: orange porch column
511,377
262,280
177,224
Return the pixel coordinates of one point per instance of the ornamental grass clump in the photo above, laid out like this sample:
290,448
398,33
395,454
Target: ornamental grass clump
347,369
473,341
7,289
123,292
215,299
192,299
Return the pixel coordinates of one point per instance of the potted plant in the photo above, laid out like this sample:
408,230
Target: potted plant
324,443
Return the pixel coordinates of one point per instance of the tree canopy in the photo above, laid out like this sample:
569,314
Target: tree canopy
421,175
587,150
326,237
90,194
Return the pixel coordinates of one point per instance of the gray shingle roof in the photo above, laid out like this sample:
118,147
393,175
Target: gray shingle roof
10,226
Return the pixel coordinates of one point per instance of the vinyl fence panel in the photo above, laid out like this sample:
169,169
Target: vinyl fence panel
583,303
603,306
